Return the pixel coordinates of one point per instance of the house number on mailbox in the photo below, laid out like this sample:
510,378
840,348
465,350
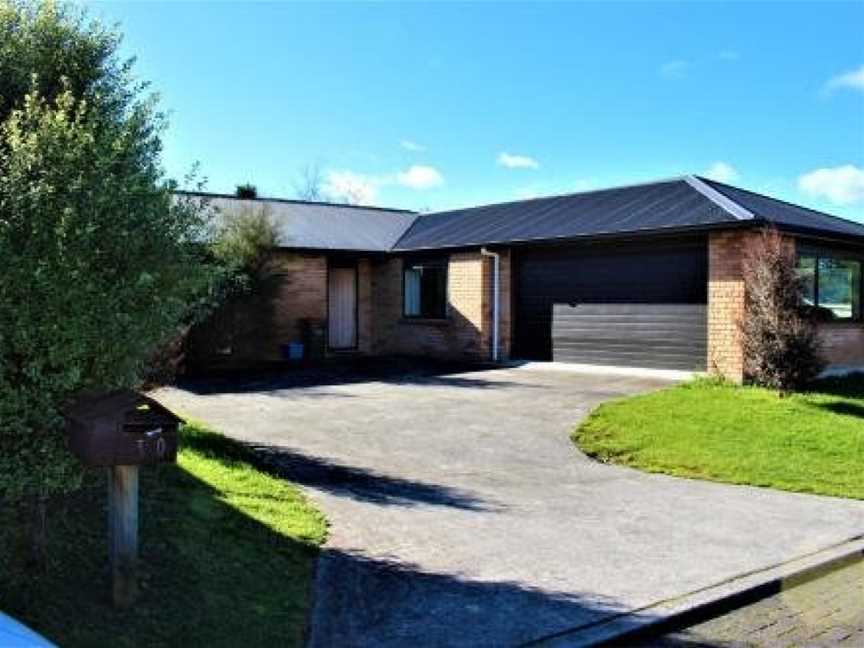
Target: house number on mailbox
160,446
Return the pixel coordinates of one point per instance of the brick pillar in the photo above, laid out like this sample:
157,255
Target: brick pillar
364,306
487,297
726,303
467,279
506,297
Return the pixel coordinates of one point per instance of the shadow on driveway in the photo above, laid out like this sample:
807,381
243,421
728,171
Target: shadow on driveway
373,602
394,371
363,485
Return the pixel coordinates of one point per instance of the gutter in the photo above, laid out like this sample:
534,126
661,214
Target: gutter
496,298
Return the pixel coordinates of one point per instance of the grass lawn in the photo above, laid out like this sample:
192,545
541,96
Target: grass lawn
809,442
227,556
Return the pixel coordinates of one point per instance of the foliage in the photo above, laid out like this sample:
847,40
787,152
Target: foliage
782,347
810,442
98,263
310,184
247,190
48,48
244,239
212,526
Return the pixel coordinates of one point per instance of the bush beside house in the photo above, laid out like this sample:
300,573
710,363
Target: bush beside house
781,343
100,263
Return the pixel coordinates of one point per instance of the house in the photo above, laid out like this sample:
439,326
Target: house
644,276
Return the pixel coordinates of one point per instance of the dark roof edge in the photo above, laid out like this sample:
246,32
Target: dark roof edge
322,203
756,223
847,221
817,232
333,250
813,233
694,229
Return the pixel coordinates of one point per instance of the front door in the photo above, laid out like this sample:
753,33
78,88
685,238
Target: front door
342,308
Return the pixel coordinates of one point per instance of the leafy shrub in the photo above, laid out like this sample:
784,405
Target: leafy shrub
782,347
244,239
247,190
99,263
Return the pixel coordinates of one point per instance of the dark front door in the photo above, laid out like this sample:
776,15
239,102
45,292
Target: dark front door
637,304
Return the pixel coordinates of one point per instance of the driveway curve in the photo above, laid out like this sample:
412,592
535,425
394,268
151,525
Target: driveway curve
461,514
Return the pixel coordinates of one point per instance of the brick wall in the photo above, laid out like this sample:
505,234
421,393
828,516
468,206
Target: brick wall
364,306
465,334
844,344
507,308
726,303
248,331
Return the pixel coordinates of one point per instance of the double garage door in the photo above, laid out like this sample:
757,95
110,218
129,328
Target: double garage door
628,305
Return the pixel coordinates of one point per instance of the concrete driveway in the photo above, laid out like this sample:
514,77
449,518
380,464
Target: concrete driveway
462,514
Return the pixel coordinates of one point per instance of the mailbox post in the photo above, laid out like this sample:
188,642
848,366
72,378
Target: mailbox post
123,533
121,431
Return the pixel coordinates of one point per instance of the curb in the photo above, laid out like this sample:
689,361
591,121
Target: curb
708,602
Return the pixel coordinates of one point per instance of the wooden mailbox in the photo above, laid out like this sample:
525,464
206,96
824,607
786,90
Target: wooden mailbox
122,430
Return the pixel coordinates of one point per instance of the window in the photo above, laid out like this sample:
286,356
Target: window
425,290
807,275
832,286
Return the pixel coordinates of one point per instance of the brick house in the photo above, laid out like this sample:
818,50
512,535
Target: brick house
644,276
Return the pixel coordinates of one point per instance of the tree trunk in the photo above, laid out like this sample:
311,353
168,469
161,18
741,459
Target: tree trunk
38,559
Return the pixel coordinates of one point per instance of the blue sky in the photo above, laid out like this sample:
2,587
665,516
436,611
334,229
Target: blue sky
441,105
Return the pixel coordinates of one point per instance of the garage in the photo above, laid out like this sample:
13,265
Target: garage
627,304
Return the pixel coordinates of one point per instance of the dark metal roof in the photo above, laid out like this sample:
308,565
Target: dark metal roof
655,206
784,214
325,226
678,204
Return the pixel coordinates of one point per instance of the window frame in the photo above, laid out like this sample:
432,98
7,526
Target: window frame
441,263
818,255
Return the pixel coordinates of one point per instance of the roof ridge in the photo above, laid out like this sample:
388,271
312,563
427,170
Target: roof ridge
785,202
414,220
294,201
720,199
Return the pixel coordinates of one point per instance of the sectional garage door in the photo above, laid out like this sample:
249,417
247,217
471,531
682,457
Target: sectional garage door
623,304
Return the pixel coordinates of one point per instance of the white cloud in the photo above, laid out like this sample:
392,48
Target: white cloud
517,161
410,145
722,172
351,187
362,189
842,185
420,177
851,80
674,69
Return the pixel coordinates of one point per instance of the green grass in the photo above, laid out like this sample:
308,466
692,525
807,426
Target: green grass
809,442
227,555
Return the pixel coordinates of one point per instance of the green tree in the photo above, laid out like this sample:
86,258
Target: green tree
99,262
244,239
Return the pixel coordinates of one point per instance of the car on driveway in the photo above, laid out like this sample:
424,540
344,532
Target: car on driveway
14,634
